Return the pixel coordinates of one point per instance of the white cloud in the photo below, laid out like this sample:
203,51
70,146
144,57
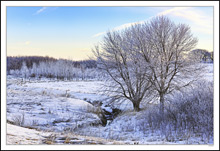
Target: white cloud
40,10
201,21
99,34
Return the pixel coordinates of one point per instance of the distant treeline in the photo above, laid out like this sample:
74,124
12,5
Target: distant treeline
202,55
15,63
39,66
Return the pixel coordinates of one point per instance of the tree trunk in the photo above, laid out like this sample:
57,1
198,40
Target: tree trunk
136,105
161,105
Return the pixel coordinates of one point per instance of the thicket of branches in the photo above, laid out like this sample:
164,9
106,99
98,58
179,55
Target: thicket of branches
189,114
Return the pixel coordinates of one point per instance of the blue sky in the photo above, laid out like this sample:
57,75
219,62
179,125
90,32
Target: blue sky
71,32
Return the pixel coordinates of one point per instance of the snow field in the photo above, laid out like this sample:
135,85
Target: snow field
62,106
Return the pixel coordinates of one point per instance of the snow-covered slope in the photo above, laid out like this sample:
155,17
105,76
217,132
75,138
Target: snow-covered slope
26,136
20,135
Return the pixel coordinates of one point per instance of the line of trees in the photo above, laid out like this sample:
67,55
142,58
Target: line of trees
149,58
15,63
202,55
54,68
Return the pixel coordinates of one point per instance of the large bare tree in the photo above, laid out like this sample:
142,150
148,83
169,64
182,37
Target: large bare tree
127,74
165,50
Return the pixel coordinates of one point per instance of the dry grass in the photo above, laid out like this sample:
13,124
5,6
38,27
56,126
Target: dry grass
79,139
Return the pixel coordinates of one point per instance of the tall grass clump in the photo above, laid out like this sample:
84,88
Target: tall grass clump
188,113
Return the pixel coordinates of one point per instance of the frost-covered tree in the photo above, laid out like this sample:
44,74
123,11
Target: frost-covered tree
34,70
201,55
212,55
127,74
24,70
164,46
82,71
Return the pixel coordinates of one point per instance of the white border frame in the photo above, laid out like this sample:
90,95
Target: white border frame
215,4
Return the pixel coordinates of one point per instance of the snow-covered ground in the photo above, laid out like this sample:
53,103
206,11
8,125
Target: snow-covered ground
20,135
63,107
47,105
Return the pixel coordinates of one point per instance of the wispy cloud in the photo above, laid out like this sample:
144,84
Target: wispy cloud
175,9
141,22
201,21
119,28
99,34
40,10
